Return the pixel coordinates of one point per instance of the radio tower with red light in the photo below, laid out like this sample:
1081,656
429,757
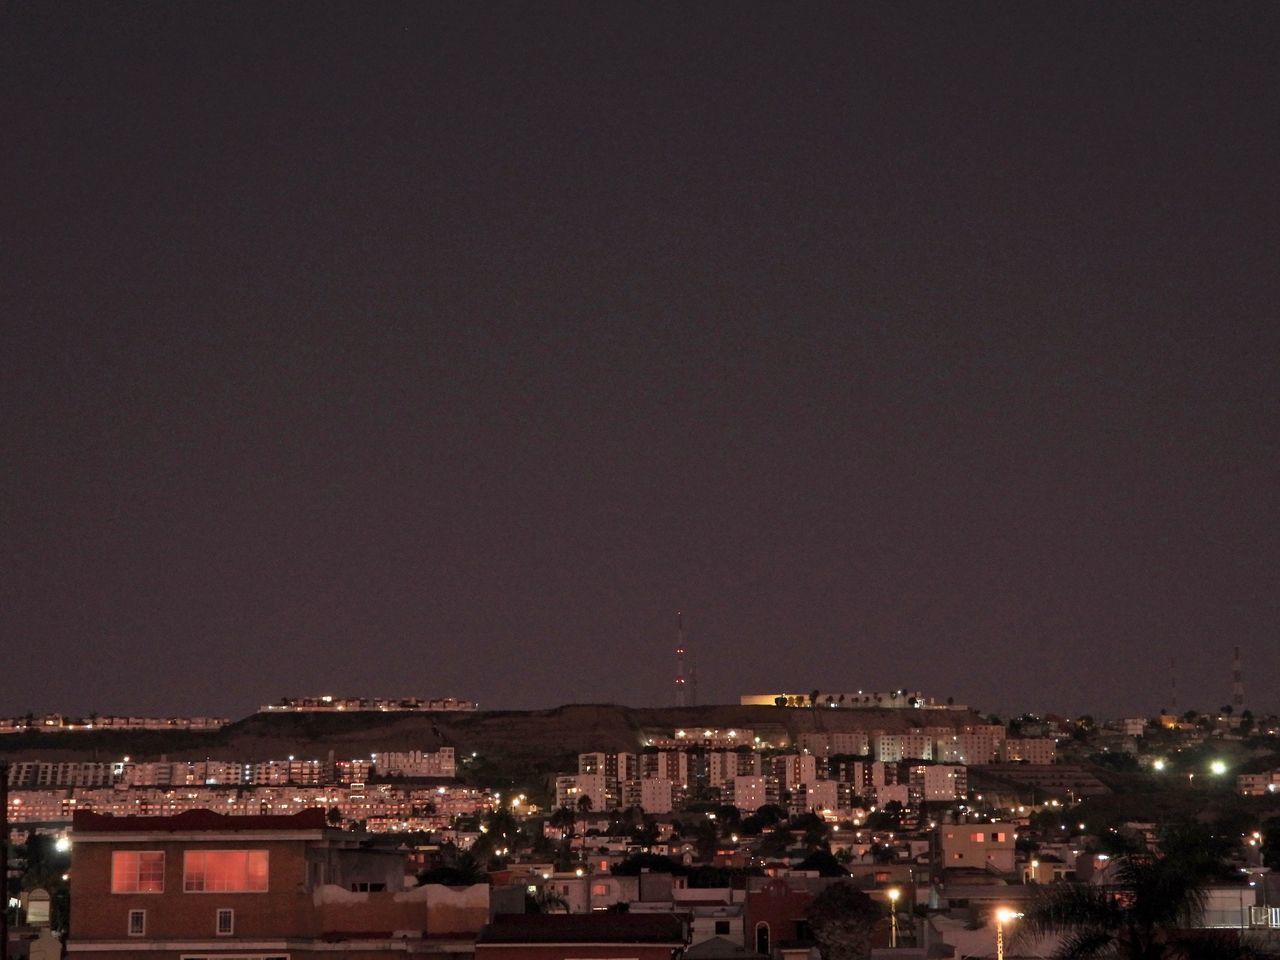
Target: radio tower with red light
682,693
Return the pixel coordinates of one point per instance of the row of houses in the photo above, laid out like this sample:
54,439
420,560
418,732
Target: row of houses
412,764
381,807
57,722
327,704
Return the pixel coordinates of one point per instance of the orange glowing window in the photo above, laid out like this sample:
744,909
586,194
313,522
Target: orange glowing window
140,871
224,871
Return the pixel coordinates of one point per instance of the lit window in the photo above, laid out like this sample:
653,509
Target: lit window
226,922
139,871
137,923
224,871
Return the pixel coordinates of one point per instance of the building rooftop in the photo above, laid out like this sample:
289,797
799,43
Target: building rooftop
85,821
585,928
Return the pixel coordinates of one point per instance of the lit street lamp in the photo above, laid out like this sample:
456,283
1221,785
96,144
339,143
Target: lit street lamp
894,893
1003,916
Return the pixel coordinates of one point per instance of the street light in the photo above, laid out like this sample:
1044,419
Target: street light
1003,916
893,893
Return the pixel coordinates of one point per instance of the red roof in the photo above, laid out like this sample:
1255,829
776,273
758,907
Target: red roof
89,822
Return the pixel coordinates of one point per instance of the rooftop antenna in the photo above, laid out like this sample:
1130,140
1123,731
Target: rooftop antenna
681,692
1237,685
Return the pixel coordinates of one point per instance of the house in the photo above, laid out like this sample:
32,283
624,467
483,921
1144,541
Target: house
202,884
988,846
593,936
775,914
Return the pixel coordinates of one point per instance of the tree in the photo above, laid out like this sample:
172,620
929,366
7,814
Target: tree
826,864
842,917
562,818
544,901
639,863
779,701
1137,913
706,838
463,870
333,817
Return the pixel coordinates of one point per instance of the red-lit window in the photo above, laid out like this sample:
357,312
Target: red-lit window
224,871
140,871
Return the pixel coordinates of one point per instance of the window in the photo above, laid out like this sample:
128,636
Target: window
722,928
137,923
140,871
224,871
226,922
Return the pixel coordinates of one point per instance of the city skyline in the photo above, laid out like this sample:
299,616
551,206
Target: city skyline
449,350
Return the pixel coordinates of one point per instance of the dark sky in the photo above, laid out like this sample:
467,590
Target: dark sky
450,348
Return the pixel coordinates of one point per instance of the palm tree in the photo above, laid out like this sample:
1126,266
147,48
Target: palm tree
1141,912
545,901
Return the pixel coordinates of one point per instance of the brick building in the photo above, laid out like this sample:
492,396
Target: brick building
201,884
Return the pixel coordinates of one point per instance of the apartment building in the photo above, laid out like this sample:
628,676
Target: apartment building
967,748
416,763
653,796
1033,750
670,765
937,783
794,769
734,739
594,786
35,775
752,793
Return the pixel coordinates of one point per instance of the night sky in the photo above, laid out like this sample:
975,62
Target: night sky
448,349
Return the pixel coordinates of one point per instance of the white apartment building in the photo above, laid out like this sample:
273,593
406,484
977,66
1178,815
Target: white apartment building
653,796
1258,784
752,793
416,763
1034,750
822,795
887,747
938,782
967,748
571,789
